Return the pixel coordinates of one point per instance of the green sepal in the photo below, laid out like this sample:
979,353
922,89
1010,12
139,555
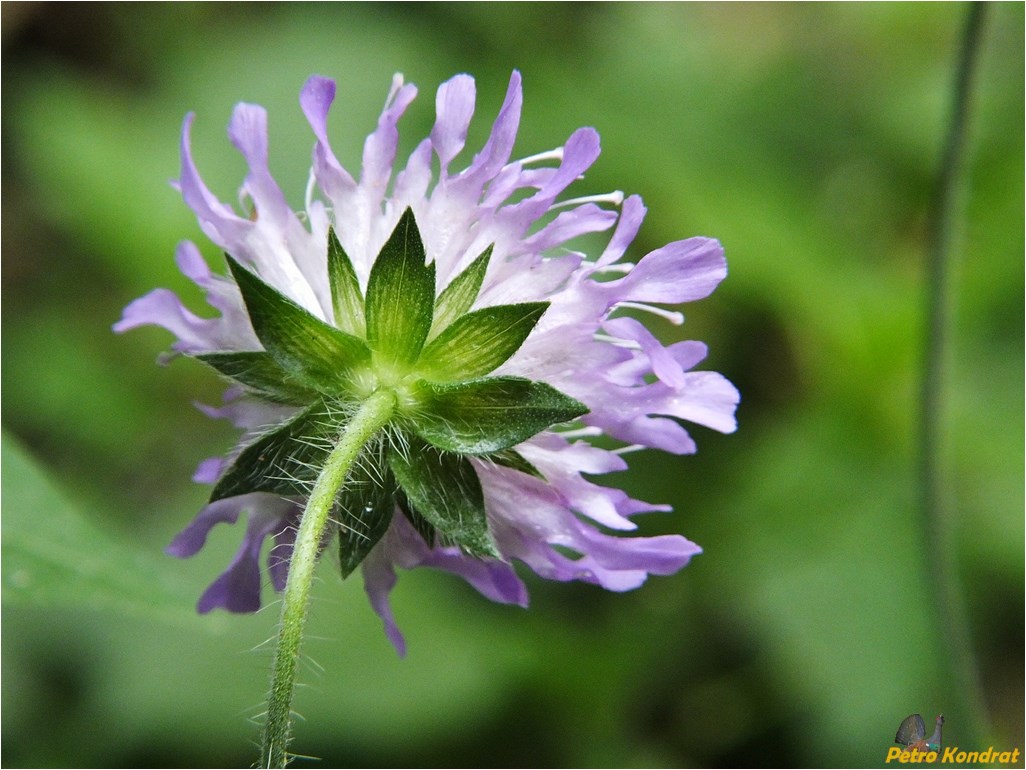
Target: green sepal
458,297
400,297
364,508
478,342
510,458
346,299
260,374
488,415
444,488
424,527
309,350
284,461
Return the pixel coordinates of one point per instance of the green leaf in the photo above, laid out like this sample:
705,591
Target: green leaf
424,527
346,298
460,294
488,415
400,297
364,508
53,555
443,488
287,459
260,373
510,458
309,350
478,342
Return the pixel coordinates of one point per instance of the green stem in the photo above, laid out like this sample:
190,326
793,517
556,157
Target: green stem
368,420
938,523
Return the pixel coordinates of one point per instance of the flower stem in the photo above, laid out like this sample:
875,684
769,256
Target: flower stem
938,523
368,420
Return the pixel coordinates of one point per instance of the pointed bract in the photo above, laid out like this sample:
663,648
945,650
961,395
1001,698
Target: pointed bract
444,488
346,299
400,297
309,351
284,460
261,375
458,297
479,342
489,415
364,508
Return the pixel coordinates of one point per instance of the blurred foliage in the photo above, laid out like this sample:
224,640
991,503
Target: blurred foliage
805,137
61,557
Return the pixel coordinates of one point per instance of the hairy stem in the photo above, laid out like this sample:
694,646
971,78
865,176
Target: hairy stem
368,420
938,524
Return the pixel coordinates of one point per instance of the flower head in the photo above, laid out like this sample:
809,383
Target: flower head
500,347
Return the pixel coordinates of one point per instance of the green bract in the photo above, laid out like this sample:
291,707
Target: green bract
432,354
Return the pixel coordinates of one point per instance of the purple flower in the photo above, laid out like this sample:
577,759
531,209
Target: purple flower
540,509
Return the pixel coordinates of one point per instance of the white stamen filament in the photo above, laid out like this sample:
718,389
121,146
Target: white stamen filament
620,343
589,430
556,154
397,83
311,183
615,198
627,449
670,315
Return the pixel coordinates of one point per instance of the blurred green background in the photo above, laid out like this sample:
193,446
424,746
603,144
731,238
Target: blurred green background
805,137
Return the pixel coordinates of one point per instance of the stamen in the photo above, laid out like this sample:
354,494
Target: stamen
397,83
310,185
620,343
628,449
588,430
670,315
615,198
556,154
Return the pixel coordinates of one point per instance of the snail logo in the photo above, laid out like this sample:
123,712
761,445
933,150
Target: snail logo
912,734
917,748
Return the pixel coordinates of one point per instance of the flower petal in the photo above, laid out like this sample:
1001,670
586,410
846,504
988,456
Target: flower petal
469,184
315,100
580,151
208,470
380,147
494,579
663,364
379,579
681,271
588,218
562,463
454,107
412,183
632,214
279,246
705,398
237,589
222,225
161,307
530,521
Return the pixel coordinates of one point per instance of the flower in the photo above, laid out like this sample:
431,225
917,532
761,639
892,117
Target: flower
543,324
